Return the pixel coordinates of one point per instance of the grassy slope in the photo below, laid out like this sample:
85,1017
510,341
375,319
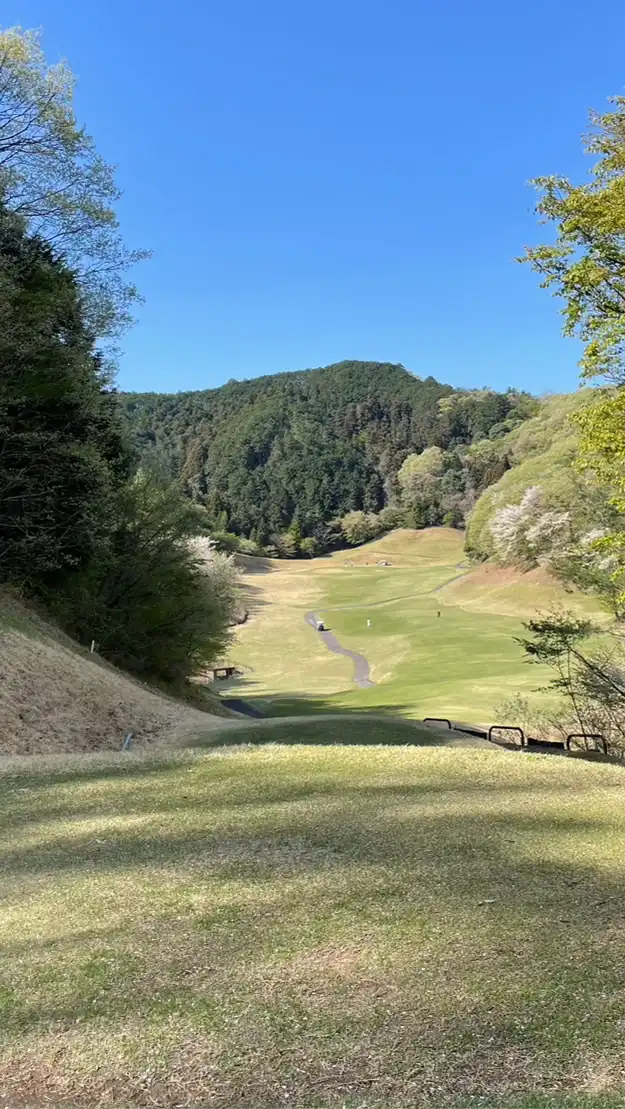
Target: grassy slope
542,451
460,664
341,730
55,696
314,927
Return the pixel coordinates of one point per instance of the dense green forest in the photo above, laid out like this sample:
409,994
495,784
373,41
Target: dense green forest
104,545
282,459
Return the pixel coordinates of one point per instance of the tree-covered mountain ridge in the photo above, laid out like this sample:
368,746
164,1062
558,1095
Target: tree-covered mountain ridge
280,459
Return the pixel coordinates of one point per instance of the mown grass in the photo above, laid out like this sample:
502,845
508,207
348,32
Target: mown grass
314,926
456,664
340,730
461,664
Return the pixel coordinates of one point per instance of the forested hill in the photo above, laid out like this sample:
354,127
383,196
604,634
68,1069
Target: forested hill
306,447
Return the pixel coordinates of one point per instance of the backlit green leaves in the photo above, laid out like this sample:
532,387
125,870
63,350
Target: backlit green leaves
586,264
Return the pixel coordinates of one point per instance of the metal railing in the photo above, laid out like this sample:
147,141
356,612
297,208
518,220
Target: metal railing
525,741
596,736
506,728
467,729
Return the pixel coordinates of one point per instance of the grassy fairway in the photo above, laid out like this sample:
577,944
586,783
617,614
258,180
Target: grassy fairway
460,664
304,926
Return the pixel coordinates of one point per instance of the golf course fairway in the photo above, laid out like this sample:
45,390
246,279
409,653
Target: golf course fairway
438,634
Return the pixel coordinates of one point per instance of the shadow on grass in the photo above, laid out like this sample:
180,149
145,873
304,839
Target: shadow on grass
543,1101
252,596
362,861
341,730
160,792
305,704
253,564
225,786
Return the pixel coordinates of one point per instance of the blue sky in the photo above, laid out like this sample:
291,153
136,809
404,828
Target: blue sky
339,178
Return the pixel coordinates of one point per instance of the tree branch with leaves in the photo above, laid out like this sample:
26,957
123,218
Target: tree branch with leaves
589,673
52,176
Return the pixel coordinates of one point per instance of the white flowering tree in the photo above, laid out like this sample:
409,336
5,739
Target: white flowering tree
510,526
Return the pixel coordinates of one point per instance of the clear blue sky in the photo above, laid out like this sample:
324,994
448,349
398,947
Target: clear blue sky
339,178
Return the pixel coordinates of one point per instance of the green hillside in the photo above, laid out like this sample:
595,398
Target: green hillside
543,510
297,450
540,453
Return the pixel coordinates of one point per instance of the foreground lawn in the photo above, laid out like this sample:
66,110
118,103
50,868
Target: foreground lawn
363,926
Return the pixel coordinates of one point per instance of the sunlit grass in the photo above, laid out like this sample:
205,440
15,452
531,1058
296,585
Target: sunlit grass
461,664
313,927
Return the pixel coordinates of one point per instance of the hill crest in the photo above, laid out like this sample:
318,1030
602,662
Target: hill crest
301,449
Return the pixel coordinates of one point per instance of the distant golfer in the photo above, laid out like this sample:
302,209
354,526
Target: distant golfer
368,623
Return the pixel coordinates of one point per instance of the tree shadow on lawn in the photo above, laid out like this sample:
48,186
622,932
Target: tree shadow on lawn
232,793
252,596
306,704
333,729
152,763
253,564
487,970
151,779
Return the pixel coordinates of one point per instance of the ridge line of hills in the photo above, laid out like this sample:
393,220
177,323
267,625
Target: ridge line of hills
299,450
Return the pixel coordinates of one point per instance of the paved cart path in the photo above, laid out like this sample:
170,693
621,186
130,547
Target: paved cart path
361,666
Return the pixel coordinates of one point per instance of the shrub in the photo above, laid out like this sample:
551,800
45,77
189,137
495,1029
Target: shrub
310,547
249,547
153,600
226,541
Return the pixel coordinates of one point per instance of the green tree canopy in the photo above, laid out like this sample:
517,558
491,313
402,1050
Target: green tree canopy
586,264
586,268
53,177
430,463
62,455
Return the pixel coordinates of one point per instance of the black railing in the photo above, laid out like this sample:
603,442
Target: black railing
506,728
466,729
524,741
546,744
597,737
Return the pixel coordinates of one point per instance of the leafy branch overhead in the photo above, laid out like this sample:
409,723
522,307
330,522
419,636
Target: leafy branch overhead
52,176
586,264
